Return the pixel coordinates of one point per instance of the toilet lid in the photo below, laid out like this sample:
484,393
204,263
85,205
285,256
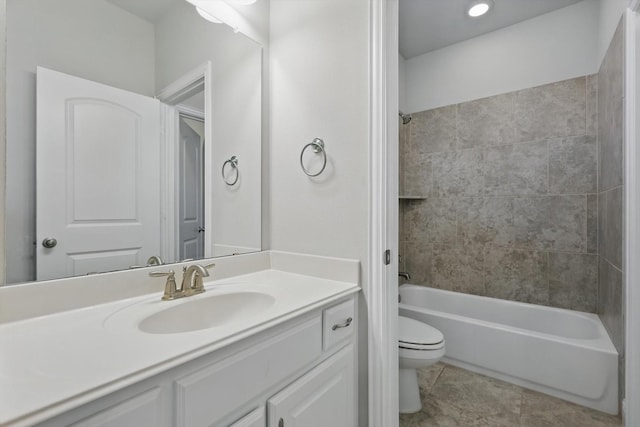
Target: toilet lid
413,334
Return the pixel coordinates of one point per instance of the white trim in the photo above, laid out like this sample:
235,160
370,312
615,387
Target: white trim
168,214
170,126
393,179
188,111
186,86
632,214
201,78
3,140
382,290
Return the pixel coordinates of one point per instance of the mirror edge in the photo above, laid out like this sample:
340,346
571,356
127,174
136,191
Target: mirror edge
3,139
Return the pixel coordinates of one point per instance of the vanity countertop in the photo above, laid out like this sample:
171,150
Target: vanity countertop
56,362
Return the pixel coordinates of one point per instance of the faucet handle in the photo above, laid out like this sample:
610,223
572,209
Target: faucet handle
198,282
161,273
170,289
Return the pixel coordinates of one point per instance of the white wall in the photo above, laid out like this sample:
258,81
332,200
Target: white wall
319,88
402,84
556,46
183,42
609,16
319,63
253,21
67,36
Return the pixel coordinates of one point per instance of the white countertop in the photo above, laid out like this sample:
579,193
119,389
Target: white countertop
53,363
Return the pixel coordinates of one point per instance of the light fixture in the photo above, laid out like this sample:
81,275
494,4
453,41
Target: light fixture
206,15
479,8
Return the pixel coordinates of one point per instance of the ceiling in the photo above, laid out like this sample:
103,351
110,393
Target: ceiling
149,10
427,25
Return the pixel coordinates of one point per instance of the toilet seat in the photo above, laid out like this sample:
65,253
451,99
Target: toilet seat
415,335
421,347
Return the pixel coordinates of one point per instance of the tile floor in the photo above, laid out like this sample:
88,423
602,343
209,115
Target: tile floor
454,397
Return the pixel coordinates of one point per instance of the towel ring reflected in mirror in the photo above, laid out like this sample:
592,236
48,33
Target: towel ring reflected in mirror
233,163
317,146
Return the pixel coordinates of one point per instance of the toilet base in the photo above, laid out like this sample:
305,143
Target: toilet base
409,391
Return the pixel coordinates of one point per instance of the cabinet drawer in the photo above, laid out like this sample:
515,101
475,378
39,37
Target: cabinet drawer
206,396
338,324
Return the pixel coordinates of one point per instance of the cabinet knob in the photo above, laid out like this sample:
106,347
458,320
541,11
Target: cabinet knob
281,423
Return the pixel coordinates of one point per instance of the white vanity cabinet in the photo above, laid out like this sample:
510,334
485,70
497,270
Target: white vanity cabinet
299,373
323,397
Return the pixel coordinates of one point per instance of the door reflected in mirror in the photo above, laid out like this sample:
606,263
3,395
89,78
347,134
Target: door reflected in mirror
120,116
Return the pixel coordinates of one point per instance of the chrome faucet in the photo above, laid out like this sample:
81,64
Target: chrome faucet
192,279
192,282
404,275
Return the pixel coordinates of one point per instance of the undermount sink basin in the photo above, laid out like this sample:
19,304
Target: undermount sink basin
206,312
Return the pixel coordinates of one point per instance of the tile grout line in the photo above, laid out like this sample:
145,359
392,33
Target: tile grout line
439,375
521,404
586,223
548,161
598,219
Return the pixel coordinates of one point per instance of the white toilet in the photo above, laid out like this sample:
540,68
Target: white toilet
420,345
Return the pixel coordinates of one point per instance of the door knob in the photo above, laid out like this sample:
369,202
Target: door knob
200,229
49,242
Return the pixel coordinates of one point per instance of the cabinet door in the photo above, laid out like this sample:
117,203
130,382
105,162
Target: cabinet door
254,419
142,410
322,397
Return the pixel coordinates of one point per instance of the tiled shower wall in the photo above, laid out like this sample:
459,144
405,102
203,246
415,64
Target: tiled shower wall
510,187
611,193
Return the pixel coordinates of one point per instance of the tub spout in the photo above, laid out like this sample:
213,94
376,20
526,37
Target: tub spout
404,275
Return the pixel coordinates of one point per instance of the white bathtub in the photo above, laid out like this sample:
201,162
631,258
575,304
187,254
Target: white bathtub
563,353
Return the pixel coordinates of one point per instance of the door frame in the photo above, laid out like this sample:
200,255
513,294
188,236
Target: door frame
631,301
196,80
3,139
382,291
190,113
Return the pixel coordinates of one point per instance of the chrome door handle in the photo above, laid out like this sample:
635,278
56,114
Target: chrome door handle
49,242
200,229
342,325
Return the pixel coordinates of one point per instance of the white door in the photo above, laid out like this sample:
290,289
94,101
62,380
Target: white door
98,191
323,397
190,184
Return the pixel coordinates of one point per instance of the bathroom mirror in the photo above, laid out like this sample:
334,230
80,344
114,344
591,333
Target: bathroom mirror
133,137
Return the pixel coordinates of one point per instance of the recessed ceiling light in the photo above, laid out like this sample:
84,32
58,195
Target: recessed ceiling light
479,8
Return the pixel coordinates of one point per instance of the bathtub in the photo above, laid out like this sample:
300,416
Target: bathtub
563,353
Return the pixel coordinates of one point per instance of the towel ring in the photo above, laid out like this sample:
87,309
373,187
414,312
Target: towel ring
317,146
233,162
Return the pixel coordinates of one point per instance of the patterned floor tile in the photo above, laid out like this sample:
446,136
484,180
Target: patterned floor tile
454,397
